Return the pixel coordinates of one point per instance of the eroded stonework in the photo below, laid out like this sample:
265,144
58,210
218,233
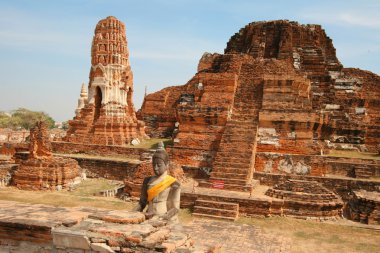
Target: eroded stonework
106,115
42,171
278,88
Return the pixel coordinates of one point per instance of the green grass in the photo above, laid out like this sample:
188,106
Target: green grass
374,179
151,143
120,158
91,187
354,154
82,195
185,216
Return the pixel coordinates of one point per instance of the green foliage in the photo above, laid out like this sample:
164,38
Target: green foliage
65,125
24,118
4,120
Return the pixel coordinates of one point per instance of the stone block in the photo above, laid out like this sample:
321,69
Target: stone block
101,248
64,238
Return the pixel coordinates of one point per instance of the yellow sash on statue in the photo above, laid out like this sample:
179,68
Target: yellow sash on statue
155,190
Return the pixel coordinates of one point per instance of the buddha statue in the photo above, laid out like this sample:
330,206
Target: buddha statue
161,192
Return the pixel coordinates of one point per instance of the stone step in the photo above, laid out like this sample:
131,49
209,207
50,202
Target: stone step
243,109
229,180
253,112
216,211
237,155
226,142
217,204
226,186
242,122
236,146
237,130
231,170
252,102
247,139
239,133
247,128
232,159
222,174
238,123
244,105
231,165
214,217
243,117
244,137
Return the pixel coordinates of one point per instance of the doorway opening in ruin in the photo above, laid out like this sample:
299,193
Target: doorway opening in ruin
98,102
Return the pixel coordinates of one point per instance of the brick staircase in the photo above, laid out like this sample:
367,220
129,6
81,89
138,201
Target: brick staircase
209,207
234,161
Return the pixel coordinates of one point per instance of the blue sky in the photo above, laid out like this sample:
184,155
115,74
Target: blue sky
45,44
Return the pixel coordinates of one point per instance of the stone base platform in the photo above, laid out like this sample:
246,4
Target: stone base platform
46,229
43,229
217,204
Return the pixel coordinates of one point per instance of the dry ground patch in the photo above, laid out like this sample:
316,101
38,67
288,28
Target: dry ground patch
311,236
82,195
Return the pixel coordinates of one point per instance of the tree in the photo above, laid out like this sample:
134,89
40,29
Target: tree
24,118
65,125
4,120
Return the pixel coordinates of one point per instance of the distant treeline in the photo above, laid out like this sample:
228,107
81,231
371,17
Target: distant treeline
23,118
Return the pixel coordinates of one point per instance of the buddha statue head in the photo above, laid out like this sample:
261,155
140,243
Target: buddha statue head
160,161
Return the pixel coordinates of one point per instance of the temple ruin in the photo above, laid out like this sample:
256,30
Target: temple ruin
278,88
250,135
40,170
274,103
105,114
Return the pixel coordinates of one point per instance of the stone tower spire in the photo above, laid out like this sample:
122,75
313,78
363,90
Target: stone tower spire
111,73
82,99
107,115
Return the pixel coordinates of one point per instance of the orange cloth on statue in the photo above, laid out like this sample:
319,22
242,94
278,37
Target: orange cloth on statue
155,190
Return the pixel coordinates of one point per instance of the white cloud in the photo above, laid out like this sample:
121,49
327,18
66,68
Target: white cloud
344,17
359,20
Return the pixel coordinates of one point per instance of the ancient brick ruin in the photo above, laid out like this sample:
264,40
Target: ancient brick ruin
42,171
306,199
364,207
106,115
278,88
275,102
40,228
253,125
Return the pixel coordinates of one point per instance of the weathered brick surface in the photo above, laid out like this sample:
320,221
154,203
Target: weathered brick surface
288,82
45,174
327,206
306,198
94,149
106,168
38,169
42,229
364,207
341,186
290,164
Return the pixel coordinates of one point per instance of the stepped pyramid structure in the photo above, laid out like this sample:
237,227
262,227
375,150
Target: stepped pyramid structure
106,114
277,94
